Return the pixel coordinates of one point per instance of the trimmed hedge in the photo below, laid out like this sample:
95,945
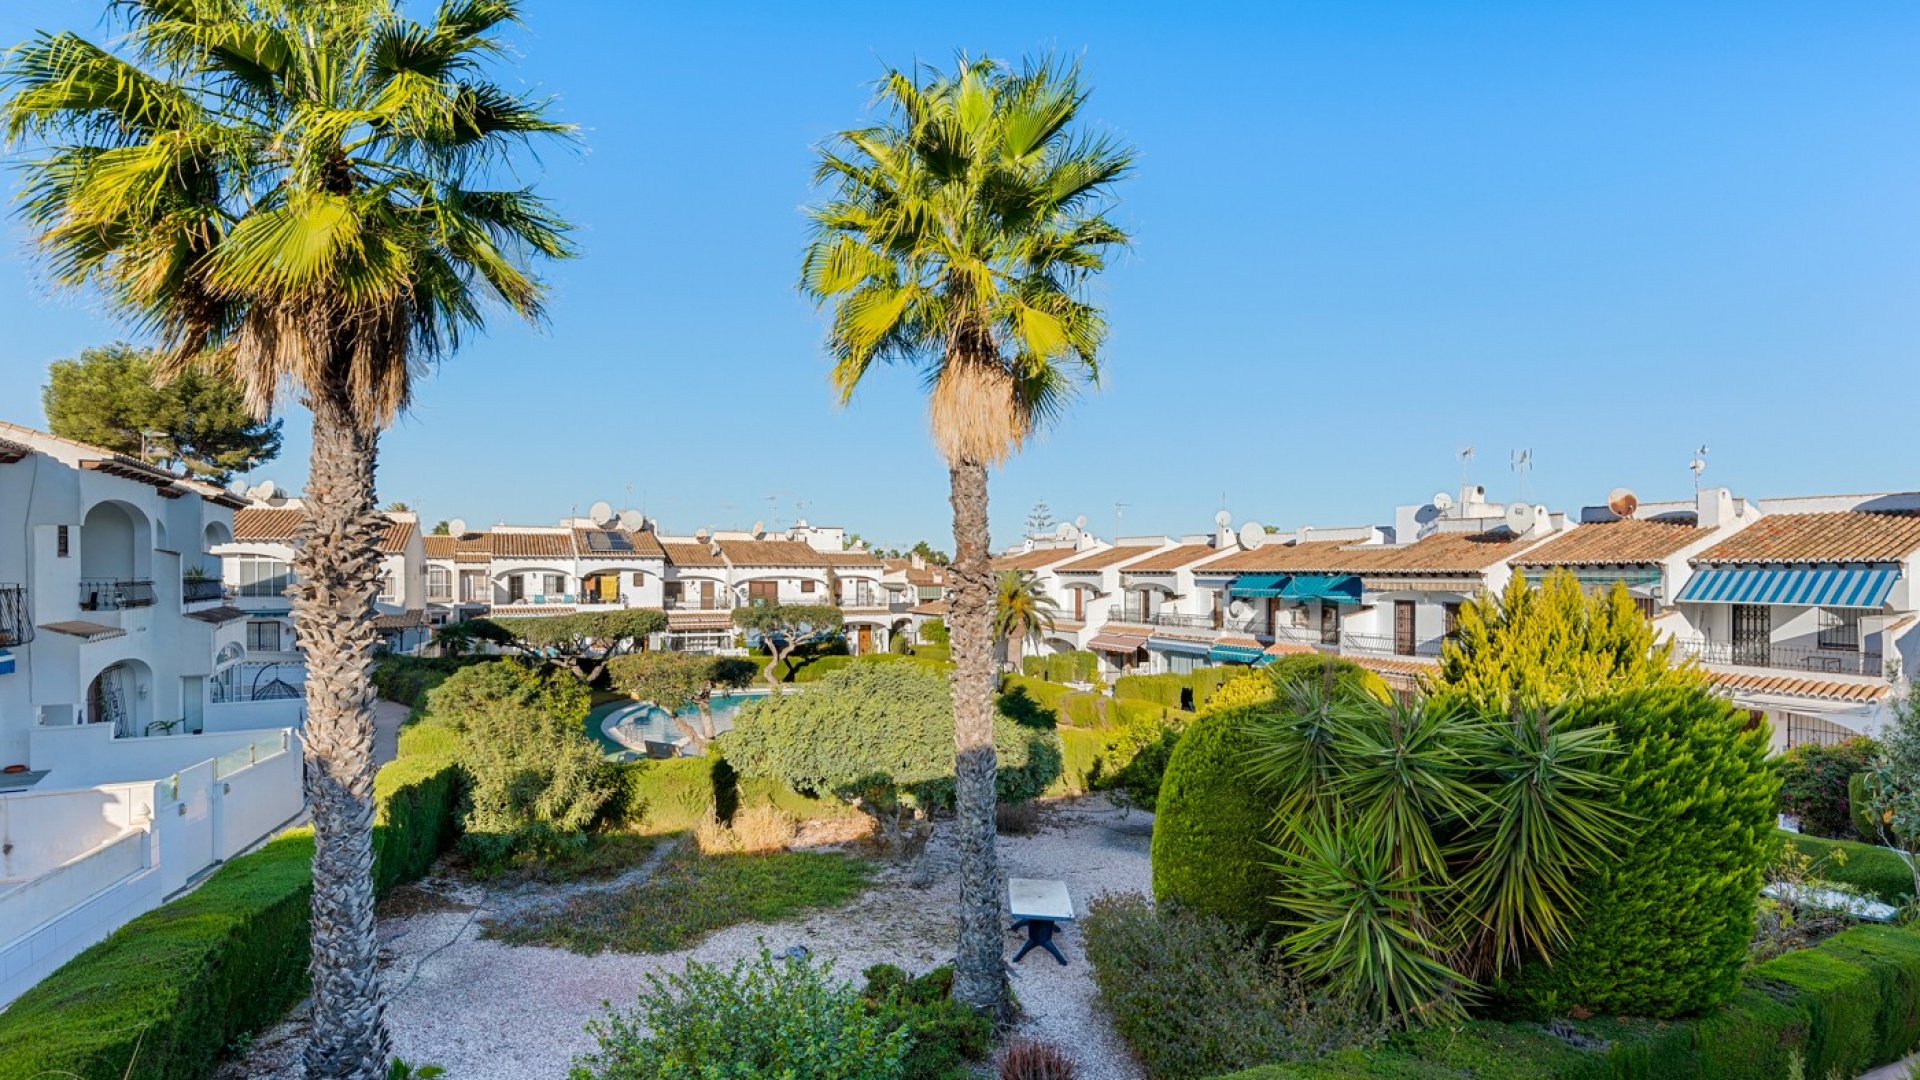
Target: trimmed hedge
1842,1007
176,984
1210,825
1877,870
1162,690
675,795
181,982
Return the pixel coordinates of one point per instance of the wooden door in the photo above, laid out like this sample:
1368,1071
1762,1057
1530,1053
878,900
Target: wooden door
706,596
864,639
1329,623
1403,640
763,592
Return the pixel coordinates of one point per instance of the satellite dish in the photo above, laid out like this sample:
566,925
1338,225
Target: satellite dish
1239,609
1223,519
700,535
1252,535
632,520
266,490
759,527
1442,501
1622,502
238,487
1521,519
458,526
601,513
1065,530
1080,522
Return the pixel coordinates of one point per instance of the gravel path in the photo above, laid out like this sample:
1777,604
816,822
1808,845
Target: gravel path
488,1011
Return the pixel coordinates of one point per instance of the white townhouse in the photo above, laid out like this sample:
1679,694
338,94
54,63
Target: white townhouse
123,776
916,593
257,565
1091,584
1810,616
577,565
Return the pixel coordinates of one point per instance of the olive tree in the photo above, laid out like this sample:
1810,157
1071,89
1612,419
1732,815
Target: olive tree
786,627
676,680
880,737
583,642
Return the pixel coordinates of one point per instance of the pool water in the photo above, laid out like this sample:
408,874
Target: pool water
633,726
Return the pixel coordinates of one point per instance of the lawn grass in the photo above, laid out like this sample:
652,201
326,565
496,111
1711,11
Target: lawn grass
691,895
601,855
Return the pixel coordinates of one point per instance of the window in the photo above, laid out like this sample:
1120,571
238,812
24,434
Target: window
638,579
806,586
439,583
263,635
1839,629
63,545
763,592
1403,635
555,584
389,588
1452,613
259,575
1646,606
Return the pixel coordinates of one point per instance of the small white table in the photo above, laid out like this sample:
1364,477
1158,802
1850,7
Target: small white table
1038,905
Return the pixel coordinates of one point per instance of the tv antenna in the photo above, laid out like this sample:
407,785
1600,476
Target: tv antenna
1119,511
1522,463
1465,454
1697,466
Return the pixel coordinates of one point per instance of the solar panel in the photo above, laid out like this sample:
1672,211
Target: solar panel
608,541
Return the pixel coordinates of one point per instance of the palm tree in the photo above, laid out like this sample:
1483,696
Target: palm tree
1020,608
958,234
304,196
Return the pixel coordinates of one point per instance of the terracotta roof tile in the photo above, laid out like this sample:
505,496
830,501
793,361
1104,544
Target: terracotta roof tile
1604,543
277,524
931,607
697,619
520,544
1314,556
860,559
683,554
1035,559
441,547
771,553
1100,560
396,537
1172,559
474,547
265,523
1844,536
1794,686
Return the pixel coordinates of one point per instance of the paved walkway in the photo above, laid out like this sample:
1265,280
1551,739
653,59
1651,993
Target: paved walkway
387,718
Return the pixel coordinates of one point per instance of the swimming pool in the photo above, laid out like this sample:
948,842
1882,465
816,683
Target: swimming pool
633,726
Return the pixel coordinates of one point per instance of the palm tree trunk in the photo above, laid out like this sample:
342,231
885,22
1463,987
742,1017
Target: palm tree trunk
338,576
979,980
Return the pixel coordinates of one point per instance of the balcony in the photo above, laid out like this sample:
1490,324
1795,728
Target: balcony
201,590
112,594
1766,654
16,622
1385,645
683,603
1181,621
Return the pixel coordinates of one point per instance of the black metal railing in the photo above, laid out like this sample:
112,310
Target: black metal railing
1299,635
1766,654
199,590
112,594
16,622
1190,622
1387,645
1129,614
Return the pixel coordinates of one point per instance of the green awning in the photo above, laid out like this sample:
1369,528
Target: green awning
1329,588
1256,585
1236,654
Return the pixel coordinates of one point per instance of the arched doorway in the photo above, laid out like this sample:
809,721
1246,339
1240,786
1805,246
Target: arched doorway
115,556
122,695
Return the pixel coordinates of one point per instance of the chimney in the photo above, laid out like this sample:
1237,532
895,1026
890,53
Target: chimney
919,561
1715,507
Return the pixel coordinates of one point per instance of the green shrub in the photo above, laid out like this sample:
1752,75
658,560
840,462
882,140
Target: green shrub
408,679
1062,667
1875,869
1033,667
762,1018
1163,690
880,736
1137,754
1860,809
938,653
1813,785
1668,923
1331,673
1209,828
943,1035
536,783
416,800
1839,1008
177,984
677,794
1194,997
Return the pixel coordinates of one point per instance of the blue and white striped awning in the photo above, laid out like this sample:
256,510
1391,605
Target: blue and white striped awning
1236,654
1257,585
1854,587
1179,645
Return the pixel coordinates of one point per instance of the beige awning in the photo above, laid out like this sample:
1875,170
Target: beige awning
80,628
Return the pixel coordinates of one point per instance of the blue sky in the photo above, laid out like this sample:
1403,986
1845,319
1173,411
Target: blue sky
1366,235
